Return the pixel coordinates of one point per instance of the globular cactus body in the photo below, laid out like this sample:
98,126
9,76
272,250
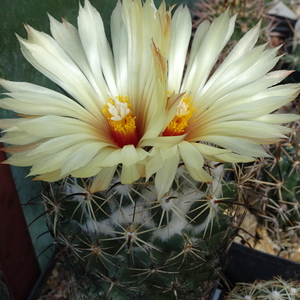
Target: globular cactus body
281,182
125,243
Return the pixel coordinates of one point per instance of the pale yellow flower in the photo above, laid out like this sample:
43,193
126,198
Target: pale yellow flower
225,116
139,106
119,99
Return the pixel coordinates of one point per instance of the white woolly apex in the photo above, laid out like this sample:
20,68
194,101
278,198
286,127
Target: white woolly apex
185,201
260,285
175,226
149,194
247,297
167,203
275,295
123,189
293,291
203,226
213,203
91,227
180,171
217,172
130,236
133,214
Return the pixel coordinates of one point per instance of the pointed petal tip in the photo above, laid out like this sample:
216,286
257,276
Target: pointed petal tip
4,150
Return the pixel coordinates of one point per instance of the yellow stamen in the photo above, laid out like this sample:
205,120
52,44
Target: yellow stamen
179,124
121,121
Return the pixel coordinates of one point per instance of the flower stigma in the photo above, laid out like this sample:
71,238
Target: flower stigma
121,121
179,124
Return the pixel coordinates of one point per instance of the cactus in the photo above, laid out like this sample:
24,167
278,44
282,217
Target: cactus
279,183
283,173
269,190
273,290
134,148
124,243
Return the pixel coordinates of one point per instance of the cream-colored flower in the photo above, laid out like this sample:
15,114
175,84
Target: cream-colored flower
225,116
117,97
138,105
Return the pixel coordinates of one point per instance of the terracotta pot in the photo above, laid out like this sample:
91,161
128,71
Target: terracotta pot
18,262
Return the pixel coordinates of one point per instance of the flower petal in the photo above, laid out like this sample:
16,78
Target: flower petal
96,47
46,56
103,179
67,36
203,61
193,161
180,37
166,174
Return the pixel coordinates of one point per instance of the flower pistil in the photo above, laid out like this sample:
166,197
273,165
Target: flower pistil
121,121
179,124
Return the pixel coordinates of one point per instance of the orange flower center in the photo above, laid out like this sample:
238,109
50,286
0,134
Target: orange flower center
121,121
179,124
